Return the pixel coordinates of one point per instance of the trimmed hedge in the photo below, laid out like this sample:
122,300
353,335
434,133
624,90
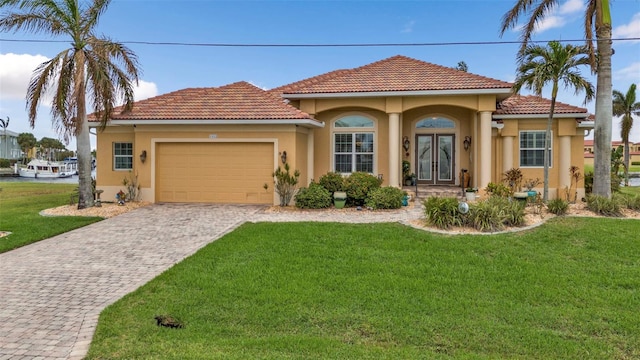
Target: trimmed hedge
332,181
358,186
387,197
313,197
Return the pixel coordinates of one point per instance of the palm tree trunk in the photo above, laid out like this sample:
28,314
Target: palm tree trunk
547,142
83,140
604,108
626,162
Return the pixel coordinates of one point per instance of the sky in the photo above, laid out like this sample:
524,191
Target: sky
167,68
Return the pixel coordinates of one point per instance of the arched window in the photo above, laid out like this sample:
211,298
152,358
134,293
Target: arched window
435,123
353,140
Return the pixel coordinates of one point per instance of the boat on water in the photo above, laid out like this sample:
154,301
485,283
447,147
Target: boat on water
42,169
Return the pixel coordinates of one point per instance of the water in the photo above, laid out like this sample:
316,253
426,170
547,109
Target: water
68,180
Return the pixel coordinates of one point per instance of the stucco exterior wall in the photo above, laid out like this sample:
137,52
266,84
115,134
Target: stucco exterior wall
144,137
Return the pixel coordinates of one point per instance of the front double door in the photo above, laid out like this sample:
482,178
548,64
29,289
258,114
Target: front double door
435,159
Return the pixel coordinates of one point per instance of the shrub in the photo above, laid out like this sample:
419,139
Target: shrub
635,163
332,181
5,163
603,206
387,197
513,211
632,202
588,182
358,186
286,184
500,190
442,212
488,215
557,206
616,180
313,197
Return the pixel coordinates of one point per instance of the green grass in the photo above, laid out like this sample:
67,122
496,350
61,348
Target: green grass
20,205
566,290
632,168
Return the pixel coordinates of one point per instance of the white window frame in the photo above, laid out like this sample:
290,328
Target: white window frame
122,156
521,149
353,131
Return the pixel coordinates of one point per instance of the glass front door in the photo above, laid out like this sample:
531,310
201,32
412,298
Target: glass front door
435,154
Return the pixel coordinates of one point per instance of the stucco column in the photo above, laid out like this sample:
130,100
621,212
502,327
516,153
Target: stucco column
507,153
564,178
394,149
310,156
484,176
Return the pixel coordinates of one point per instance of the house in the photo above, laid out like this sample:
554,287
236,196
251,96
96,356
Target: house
223,144
9,147
634,151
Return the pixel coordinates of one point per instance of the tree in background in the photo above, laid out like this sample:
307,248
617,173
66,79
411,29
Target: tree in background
553,64
597,19
26,141
625,105
462,66
50,147
93,68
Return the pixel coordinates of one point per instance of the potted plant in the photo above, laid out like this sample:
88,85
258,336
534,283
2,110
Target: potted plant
470,193
406,169
529,184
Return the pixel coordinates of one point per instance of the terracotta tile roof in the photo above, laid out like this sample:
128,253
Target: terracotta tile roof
237,101
533,105
588,143
397,73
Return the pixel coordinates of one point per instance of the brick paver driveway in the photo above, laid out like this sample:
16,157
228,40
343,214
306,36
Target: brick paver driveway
52,292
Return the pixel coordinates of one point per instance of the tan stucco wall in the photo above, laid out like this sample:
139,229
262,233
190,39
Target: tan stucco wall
562,127
285,137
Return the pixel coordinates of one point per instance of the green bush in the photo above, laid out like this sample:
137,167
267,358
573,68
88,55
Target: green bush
442,212
313,197
5,163
615,182
635,163
358,186
387,197
632,202
513,211
603,206
588,182
332,181
500,190
557,206
286,183
488,215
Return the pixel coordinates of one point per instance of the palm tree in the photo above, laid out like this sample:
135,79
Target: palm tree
93,71
597,19
539,66
625,105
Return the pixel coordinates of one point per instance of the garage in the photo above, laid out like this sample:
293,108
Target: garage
214,172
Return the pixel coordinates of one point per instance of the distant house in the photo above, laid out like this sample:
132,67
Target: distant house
634,151
222,144
9,148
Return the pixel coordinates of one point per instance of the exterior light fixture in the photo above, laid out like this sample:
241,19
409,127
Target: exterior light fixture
406,143
143,156
467,142
283,157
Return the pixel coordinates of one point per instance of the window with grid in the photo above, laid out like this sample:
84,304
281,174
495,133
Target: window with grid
353,150
532,149
122,156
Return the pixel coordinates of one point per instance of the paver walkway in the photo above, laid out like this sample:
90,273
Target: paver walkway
52,291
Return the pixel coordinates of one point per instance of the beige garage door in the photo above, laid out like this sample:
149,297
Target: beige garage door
214,172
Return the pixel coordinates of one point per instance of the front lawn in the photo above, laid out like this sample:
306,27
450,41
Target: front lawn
568,289
20,205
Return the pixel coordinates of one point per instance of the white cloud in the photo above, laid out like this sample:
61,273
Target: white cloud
572,6
408,27
630,72
145,90
15,73
550,22
630,30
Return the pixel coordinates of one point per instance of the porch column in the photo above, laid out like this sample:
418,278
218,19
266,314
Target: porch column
564,178
485,149
507,153
394,149
310,156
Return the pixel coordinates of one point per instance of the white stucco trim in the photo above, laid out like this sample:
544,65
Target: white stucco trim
396,93
304,122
